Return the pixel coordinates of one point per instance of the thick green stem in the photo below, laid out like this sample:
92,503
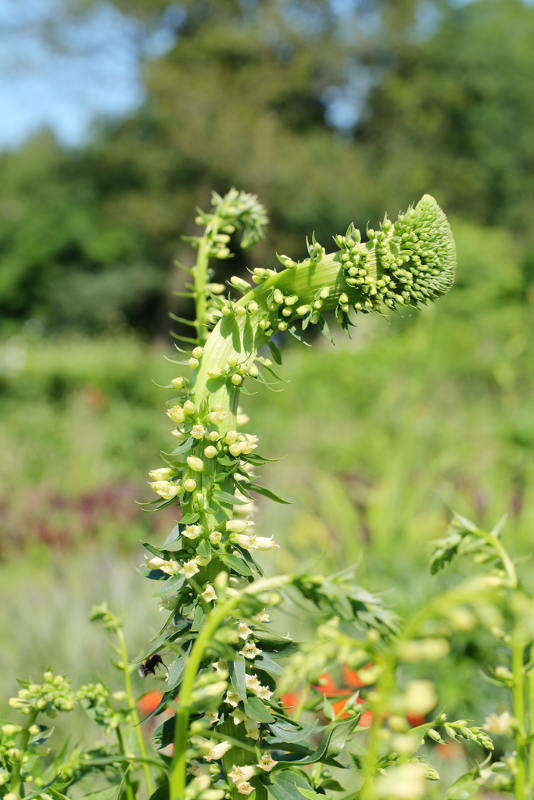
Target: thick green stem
201,275
16,784
242,338
177,780
519,713
134,714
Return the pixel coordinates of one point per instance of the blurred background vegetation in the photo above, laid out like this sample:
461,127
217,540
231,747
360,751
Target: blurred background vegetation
331,111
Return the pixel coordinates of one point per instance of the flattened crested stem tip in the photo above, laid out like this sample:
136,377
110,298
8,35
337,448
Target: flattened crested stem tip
435,226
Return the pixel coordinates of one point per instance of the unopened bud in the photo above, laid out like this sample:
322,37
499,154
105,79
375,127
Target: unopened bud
11,730
195,463
236,525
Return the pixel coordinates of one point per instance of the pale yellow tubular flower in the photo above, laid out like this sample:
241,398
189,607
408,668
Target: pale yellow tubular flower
189,568
192,531
165,489
176,413
160,474
209,594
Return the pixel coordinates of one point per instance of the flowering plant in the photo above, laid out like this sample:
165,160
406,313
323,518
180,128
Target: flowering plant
255,713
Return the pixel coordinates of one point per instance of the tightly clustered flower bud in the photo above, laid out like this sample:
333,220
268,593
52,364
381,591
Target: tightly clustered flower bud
410,261
53,695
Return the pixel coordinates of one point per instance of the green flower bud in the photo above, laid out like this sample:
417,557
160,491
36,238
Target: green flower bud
239,283
189,408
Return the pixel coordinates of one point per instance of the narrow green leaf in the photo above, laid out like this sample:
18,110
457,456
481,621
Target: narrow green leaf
238,565
237,676
257,710
275,352
268,493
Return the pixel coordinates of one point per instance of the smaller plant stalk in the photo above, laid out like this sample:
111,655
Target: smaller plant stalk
129,789
531,720
17,787
519,713
386,683
134,714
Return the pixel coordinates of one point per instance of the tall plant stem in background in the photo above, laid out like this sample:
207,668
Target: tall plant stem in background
129,789
16,785
131,703
519,713
531,718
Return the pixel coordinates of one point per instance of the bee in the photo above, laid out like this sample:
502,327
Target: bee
148,666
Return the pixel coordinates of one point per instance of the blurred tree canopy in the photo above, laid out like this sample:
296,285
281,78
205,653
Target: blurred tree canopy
330,110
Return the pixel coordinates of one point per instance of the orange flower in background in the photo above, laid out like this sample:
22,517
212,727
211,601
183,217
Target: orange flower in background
149,702
414,718
329,688
290,700
351,677
352,680
327,685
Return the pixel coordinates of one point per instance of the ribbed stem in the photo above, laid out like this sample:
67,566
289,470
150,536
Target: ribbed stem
241,336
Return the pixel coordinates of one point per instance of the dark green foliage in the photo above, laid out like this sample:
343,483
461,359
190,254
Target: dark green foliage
89,238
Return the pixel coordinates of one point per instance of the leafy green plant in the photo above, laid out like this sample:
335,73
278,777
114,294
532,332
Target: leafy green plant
231,733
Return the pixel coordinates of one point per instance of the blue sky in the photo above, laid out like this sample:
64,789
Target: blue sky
93,69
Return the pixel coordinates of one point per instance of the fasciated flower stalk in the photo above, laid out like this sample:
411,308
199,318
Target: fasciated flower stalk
224,671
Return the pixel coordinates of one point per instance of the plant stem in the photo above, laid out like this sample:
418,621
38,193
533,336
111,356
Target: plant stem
519,713
129,789
505,558
531,720
177,779
301,703
201,274
16,784
131,704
